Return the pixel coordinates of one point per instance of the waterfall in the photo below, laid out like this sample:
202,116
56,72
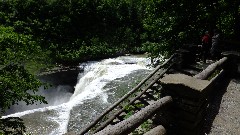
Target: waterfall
94,91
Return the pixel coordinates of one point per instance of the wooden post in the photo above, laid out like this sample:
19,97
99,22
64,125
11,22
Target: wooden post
159,130
233,63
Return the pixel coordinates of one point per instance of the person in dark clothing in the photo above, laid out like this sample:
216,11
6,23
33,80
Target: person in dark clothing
206,45
215,49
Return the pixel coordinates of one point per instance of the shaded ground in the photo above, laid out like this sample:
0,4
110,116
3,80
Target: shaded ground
224,116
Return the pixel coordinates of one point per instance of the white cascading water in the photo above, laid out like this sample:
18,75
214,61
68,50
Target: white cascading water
90,84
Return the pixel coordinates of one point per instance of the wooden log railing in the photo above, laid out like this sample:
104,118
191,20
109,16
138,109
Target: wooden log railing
190,102
132,101
99,123
159,130
127,126
211,68
191,96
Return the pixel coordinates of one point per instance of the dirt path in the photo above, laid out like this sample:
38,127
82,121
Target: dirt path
225,111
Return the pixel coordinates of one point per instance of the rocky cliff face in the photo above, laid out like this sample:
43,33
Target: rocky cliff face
61,76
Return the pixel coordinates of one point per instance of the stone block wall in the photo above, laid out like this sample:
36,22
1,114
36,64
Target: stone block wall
190,101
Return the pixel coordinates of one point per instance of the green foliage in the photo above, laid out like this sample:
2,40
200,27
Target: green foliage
155,49
130,113
18,85
171,23
21,49
123,24
12,126
143,128
216,72
86,51
16,50
130,109
16,82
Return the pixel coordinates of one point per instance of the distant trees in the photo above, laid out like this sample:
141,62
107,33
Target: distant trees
173,23
67,28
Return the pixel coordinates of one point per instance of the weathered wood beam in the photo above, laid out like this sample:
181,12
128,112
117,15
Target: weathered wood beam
108,121
159,130
86,129
210,69
130,124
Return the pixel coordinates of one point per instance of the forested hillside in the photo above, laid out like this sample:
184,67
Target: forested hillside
35,33
74,30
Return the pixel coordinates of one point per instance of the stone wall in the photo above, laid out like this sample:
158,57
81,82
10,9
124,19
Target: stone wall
186,116
191,96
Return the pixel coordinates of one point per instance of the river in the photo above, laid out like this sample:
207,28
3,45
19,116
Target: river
101,84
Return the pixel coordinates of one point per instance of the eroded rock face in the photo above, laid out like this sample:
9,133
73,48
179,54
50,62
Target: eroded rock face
61,76
62,80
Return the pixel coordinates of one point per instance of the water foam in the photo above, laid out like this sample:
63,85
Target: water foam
95,77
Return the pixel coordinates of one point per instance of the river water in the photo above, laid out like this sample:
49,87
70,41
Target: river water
101,84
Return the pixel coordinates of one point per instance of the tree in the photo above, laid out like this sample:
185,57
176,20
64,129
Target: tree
16,82
171,24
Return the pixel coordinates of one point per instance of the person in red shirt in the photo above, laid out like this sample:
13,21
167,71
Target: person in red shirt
206,45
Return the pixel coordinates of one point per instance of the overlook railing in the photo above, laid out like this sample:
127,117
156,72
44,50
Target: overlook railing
127,126
188,95
191,98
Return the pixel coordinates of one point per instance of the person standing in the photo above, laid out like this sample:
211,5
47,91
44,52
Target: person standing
215,49
206,45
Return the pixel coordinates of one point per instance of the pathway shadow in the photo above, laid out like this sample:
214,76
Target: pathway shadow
215,102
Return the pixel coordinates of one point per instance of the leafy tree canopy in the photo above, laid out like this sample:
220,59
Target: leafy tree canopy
16,82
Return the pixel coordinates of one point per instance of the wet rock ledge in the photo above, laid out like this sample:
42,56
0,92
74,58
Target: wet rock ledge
61,76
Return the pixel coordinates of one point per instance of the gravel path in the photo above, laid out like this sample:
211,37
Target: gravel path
224,116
